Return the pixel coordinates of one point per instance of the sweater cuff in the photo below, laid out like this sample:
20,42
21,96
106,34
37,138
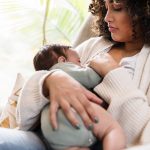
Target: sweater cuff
116,83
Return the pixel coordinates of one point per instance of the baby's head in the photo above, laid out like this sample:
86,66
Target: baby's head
49,55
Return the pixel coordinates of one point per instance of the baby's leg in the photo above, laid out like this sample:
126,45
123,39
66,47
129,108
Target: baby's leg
108,130
66,136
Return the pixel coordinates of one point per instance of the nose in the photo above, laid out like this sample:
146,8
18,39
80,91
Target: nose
108,17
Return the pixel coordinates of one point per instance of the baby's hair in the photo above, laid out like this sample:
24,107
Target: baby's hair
48,55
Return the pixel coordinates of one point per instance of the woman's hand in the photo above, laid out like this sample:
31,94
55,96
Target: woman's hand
103,64
65,92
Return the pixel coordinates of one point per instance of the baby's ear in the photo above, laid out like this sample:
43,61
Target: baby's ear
61,59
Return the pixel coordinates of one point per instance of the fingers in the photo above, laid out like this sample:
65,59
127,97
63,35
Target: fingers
92,115
79,104
87,105
83,113
92,97
70,115
83,107
79,101
53,114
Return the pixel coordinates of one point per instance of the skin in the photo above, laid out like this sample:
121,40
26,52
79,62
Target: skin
116,18
120,27
72,56
76,96
73,94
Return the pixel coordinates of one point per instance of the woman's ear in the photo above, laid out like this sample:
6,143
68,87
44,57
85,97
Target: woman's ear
61,59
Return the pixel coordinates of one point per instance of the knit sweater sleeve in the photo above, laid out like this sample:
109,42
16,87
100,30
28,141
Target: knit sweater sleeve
31,101
127,103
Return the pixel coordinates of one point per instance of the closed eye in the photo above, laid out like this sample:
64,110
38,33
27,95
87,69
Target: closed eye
117,6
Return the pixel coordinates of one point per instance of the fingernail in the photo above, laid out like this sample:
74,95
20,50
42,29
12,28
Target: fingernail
77,126
96,120
90,127
55,129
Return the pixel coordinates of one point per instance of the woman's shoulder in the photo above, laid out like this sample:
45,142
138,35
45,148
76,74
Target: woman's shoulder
93,45
94,42
98,40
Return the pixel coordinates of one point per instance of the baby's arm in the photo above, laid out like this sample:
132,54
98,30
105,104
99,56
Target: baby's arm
84,75
108,130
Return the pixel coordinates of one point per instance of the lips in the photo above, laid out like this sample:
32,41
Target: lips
112,29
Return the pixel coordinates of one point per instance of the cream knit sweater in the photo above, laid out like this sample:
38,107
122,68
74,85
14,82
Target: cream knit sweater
128,98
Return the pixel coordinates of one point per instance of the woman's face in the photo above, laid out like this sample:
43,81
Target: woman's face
119,22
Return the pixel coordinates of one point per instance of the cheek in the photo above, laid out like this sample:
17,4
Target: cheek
122,36
126,28
75,61
125,32
72,59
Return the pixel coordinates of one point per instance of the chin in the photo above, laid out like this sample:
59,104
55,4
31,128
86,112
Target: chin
121,38
117,39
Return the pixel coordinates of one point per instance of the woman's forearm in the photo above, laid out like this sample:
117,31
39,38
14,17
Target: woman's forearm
125,100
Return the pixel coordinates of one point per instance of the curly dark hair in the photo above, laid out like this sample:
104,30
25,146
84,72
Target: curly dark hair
48,55
139,10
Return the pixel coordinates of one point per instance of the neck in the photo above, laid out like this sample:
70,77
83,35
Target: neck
126,49
134,46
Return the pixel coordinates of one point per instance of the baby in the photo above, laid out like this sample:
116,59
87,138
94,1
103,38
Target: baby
63,57
108,130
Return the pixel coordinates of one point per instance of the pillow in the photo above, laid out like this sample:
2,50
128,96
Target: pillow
8,116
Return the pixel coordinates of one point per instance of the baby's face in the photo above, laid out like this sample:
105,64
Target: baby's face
72,56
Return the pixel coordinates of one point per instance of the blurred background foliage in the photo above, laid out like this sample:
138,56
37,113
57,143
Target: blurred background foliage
28,24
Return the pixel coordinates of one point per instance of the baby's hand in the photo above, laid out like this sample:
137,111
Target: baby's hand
103,64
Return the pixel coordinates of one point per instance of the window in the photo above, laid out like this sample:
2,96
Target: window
24,24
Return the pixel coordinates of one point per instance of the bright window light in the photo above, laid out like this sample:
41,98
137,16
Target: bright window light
21,33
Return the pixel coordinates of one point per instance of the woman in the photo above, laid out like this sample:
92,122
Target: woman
126,38
63,57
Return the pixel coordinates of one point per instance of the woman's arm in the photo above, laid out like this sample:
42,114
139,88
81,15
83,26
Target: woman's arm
31,101
65,92
127,103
